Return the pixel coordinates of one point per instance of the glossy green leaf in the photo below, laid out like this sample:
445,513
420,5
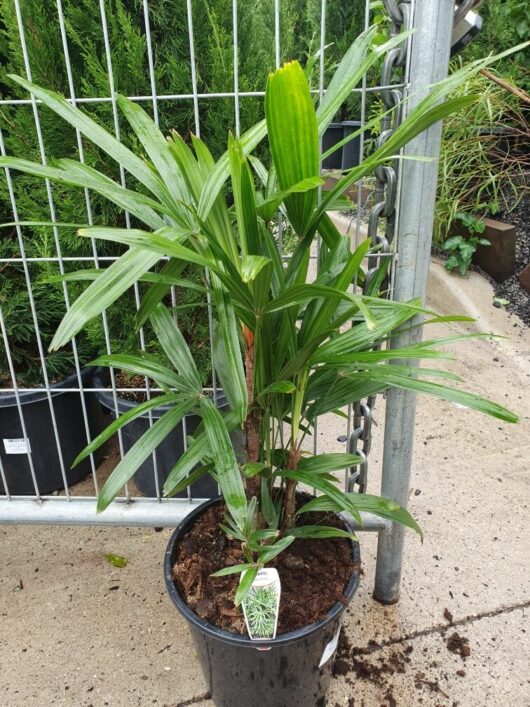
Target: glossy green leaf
268,509
233,569
155,294
325,463
191,478
109,286
266,534
91,274
272,551
142,365
221,171
244,199
293,139
359,58
267,208
251,469
252,265
367,503
319,532
97,134
175,346
78,175
197,451
228,358
283,387
314,480
162,242
226,467
123,420
158,150
391,375
245,584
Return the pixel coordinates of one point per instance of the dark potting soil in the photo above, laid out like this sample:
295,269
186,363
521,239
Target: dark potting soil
313,574
125,380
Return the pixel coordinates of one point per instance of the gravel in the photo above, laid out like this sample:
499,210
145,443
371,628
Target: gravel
511,290
518,298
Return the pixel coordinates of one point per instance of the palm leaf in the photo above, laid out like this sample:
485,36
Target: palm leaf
227,470
141,450
293,139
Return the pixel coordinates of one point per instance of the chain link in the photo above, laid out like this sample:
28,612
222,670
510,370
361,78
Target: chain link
462,7
381,221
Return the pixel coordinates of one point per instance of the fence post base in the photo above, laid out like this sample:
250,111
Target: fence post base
429,62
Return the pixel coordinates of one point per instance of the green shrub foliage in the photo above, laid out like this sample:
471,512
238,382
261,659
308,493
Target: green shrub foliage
300,38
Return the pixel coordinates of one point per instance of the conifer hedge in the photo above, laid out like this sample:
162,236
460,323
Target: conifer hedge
300,37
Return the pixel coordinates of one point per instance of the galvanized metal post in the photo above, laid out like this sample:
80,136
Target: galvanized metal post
433,21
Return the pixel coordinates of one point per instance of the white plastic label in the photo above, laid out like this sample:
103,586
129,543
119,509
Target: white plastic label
330,648
261,606
17,446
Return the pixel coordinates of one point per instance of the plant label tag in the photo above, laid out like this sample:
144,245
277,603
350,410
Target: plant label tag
261,606
17,446
330,648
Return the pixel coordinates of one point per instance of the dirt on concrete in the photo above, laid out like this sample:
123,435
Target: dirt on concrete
370,666
458,644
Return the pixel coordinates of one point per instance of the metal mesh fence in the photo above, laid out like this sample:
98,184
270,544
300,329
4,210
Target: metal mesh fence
68,411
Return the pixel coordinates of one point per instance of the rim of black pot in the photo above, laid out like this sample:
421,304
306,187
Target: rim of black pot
235,638
334,126
107,398
35,396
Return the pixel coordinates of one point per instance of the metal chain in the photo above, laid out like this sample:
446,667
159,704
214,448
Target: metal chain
381,222
462,7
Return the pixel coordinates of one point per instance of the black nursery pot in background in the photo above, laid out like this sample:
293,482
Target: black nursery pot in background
168,451
292,670
348,155
351,151
331,137
40,432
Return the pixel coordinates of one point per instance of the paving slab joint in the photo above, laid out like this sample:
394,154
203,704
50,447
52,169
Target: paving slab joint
376,646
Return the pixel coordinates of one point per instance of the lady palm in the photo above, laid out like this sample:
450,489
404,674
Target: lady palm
286,349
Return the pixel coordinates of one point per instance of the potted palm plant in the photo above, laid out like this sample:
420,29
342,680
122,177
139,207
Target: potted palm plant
287,349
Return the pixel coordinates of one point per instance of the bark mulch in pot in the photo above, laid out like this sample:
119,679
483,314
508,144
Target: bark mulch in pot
313,573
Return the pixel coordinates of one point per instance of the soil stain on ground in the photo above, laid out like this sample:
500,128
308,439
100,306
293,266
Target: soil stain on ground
371,664
458,644
371,667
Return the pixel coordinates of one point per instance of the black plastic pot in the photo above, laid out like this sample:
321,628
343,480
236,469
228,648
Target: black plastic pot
351,151
293,670
332,135
168,451
39,428
349,154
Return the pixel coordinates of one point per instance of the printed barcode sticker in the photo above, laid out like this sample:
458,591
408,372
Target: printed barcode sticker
17,446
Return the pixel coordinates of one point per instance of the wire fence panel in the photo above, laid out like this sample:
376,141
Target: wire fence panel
37,485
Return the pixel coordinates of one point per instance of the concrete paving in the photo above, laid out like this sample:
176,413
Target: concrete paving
78,632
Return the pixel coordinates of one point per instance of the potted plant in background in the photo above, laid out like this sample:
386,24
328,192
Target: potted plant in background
283,355
190,300
39,434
